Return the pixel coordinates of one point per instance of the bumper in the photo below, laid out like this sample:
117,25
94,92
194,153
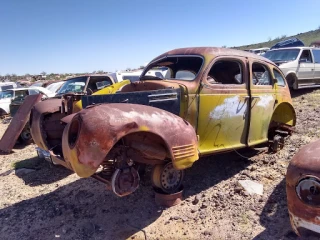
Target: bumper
304,228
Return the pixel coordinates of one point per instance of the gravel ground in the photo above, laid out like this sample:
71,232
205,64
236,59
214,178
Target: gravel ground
51,202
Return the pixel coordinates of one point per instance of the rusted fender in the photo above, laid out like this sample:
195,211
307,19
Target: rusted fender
39,110
305,165
92,133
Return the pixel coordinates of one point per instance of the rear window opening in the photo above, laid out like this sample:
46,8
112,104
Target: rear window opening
175,67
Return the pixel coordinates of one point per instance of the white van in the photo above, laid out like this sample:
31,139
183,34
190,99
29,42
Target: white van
7,85
300,65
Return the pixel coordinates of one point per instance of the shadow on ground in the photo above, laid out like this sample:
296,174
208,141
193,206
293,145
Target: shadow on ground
45,173
84,209
209,171
80,210
299,92
275,217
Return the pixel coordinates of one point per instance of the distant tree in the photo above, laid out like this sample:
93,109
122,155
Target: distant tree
43,73
100,71
277,39
269,39
128,69
142,67
284,36
319,27
224,46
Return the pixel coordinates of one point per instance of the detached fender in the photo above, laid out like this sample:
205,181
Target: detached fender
91,134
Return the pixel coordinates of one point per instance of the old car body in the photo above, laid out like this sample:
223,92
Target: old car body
211,100
303,191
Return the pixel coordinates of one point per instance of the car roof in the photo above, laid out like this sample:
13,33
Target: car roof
287,48
213,51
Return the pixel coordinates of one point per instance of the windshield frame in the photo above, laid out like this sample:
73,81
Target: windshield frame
66,83
283,50
149,67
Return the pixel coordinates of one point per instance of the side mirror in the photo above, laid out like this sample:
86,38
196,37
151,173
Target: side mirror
302,60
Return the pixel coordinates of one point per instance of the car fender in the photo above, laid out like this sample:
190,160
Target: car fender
5,107
91,134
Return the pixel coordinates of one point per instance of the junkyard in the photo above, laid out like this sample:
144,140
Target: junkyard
49,202
148,120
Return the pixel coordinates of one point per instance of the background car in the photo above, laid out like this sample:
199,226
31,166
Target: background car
300,65
54,87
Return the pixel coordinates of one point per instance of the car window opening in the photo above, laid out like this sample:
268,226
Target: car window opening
260,74
225,72
98,83
175,67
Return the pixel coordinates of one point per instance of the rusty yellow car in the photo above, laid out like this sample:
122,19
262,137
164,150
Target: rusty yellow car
203,101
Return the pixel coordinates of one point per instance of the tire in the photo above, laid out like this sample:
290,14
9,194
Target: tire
292,81
25,136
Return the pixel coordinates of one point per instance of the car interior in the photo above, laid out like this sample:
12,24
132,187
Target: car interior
97,83
225,72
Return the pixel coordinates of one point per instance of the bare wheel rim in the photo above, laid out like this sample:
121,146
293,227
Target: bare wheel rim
170,178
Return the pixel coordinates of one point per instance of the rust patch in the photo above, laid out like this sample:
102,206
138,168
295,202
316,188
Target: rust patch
303,189
17,123
87,143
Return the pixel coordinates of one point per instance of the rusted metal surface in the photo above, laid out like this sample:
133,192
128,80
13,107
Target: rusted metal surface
92,133
303,189
168,200
17,123
46,128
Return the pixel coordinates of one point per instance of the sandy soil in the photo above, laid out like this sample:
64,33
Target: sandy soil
52,203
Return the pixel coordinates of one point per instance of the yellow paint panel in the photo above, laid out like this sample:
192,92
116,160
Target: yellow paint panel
221,124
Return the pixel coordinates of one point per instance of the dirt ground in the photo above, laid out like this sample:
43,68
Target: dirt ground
51,202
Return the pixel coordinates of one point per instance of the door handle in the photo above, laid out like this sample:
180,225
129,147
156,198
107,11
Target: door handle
312,69
253,97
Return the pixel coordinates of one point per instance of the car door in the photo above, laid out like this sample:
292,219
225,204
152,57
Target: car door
305,69
223,106
262,101
316,57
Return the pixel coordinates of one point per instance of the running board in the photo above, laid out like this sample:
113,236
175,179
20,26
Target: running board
308,86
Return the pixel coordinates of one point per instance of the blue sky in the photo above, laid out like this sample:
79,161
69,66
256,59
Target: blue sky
63,36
